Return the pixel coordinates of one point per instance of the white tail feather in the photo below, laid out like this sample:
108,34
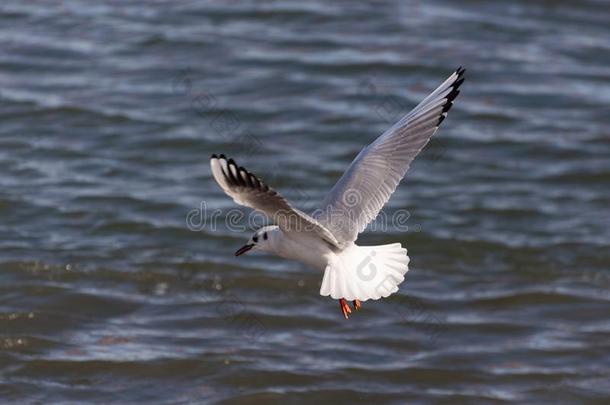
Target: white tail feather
365,272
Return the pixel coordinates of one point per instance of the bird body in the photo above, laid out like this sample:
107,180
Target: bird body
325,240
312,251
354,272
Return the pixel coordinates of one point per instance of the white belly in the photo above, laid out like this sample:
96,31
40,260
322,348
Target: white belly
313,252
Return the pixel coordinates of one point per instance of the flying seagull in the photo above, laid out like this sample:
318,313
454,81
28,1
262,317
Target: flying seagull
325,240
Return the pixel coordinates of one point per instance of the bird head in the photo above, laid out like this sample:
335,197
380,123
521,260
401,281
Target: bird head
261,240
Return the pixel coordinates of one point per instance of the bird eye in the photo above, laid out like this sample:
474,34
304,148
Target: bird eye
255,239
265,236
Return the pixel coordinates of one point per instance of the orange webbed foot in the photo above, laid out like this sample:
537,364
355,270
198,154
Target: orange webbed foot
345,309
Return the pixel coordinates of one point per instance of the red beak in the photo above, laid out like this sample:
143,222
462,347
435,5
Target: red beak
243,249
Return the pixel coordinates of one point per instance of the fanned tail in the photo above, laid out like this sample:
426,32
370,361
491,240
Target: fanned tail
365,272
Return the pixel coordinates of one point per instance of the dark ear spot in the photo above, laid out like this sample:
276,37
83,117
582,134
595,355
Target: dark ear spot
255,239
265,235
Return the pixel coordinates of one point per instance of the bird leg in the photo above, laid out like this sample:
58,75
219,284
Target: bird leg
357,305
345,310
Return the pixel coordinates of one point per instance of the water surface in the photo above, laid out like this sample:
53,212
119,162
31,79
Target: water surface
109,113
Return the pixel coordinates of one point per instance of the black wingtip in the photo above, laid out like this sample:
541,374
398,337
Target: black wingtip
453,94
447,106
243,177
455,90
229,173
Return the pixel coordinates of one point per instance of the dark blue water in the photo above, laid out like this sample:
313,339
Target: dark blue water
109,112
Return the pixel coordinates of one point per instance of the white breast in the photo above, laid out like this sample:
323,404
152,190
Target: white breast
311,251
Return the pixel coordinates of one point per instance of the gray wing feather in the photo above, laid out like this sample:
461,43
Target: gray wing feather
248,190
372,177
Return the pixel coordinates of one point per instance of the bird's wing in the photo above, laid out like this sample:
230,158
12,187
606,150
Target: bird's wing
374,174
248,190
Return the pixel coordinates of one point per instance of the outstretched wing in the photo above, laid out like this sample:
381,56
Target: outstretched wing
248,190
373,176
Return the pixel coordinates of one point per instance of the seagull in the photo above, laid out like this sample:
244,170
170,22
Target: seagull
325,240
